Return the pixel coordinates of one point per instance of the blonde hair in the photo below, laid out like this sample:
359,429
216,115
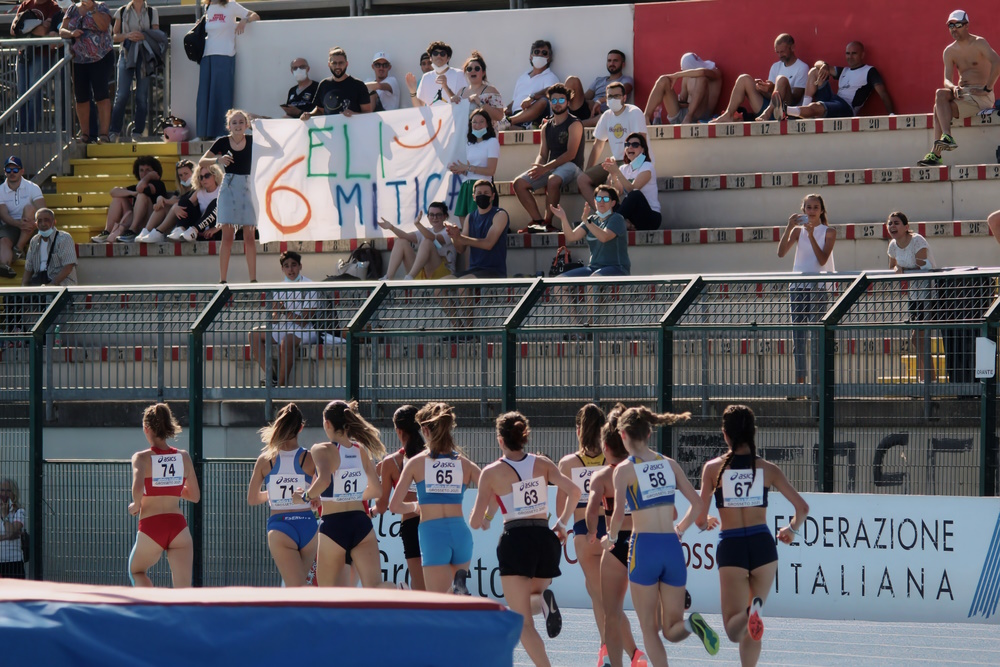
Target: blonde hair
439,420
15,492
343,416
638,422
284,428
216,172
234,112
161,421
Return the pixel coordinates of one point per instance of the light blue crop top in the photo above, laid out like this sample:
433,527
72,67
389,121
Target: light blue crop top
442,480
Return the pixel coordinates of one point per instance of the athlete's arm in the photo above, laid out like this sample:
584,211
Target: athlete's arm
374,489
618,516
382,504
781,483
472,472
566,485
708,475
565,465
396,504
594,503
478,518
191,491
255,496
684,486
137,480
324,468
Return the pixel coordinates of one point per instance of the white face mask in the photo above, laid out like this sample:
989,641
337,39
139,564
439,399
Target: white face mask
300,74
538,62
442,69
186,183
615,105
64,4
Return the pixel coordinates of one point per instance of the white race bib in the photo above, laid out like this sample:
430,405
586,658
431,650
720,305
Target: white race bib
281,487
581,477
167,470
531,496
349,484
741,488
656,478
442,475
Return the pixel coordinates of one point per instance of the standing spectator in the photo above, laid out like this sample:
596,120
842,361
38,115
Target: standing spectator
637,179
224,20
480,93
51,256
560,157
529,103
701,84
482,154
911,252
11,526
978,67
302,96
131,22
439,84
425,63
33,62
618,122
340,93
19,199
130,206
384,89
485,232
434,255
88,24
606,237
787,77
589,105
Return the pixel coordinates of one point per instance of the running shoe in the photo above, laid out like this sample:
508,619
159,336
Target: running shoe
638,659
553,617
459,587
687,600
128,236
603,659
176,233
778,108
946,143
102,237
190,235
154,236
930,160
708,636
755,624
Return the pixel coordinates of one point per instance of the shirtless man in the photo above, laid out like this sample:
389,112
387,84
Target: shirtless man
701,84
978,68
787,77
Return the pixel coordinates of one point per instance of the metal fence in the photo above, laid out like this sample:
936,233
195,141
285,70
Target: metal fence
861,383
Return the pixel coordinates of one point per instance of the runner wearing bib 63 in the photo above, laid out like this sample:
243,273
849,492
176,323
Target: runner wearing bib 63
344,483
746,555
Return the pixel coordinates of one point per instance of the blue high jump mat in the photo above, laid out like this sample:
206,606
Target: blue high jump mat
45,623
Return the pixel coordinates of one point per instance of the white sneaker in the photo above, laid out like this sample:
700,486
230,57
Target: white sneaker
191,235
175,233
153,236
141,238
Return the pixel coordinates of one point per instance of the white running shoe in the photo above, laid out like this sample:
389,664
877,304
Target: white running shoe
175,233
190,235
141,238
154,236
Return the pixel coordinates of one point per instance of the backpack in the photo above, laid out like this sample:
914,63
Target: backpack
563,262
194,41
365,263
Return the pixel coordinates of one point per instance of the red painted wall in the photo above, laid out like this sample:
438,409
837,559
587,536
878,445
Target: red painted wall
903,39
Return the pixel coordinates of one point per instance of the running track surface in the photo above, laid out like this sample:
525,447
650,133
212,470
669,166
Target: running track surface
795,642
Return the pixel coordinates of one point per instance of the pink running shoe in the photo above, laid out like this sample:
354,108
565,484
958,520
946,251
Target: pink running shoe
603,660
755,624
639,659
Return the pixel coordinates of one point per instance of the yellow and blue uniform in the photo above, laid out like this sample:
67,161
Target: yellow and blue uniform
594,462
654,557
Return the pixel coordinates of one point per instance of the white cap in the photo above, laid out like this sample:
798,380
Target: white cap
691,61
380,56
958,16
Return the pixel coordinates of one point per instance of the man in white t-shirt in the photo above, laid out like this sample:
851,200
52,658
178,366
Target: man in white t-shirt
529,102
19,200
440,84
787,78
701,84
618,122
385,88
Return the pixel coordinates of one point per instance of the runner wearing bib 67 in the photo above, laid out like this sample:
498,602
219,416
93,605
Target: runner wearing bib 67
528,551
442,475
161,476
282,468
746,555
645,484
344,483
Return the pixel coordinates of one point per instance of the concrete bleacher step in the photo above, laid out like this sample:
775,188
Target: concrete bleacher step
87,218
98,184
57,200
161,149
105,166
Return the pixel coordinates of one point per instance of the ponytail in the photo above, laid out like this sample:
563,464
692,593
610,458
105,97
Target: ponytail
405,419
439,420
285,427
589,421
738,424
638,422
513,430
343,416
609,433
161,421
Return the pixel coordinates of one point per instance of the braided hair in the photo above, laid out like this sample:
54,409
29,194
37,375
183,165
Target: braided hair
738,424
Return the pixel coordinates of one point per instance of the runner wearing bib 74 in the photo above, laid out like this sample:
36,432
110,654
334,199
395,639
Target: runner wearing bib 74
529,550
746,555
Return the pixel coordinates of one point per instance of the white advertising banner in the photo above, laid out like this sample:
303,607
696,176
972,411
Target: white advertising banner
881,558
333,177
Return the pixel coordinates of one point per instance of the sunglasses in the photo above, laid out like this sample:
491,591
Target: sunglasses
955,25
633,144
603,199
474,69
12,170
435,215
540,52
380,65
439,52
557,100
204,176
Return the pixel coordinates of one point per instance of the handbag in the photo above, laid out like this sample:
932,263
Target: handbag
365,263
194,41
563,262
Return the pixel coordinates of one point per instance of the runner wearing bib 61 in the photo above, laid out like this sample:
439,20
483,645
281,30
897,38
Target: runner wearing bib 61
746,555
161,476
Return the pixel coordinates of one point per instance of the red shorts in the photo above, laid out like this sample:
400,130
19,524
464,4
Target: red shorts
163,528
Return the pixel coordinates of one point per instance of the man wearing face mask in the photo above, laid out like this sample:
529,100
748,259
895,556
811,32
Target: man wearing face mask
438,85
529,103
340,93
51,258
301,96
619,121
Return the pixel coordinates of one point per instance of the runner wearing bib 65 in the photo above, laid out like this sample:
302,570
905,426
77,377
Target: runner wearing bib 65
344,483
528,551
442,475
282,468
161,476
645,483
746,555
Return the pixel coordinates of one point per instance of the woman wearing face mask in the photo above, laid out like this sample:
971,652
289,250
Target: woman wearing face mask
224,21
637,179
481,158
606,236
438,85
478,90
11,525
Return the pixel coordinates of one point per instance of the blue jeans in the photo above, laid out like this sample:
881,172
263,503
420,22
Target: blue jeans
32,63
216,85
585,271
123,90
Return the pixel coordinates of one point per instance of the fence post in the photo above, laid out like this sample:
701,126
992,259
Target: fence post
988,443
508,353
665,369
354,327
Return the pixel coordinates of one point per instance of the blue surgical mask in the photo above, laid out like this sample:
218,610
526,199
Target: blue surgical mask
296,280
639,161
604,216
186,183
479,134
47,233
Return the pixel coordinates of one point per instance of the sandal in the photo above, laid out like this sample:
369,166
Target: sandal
104,139
83,138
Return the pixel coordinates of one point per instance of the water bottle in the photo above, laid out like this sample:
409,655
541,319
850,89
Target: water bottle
58,337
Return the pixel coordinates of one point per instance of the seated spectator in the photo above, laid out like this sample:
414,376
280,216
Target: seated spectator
559,160
19,201
619,121
130,207
34,18
481,158
606,234
384,89
910,252
589,105
484,233
340,93
291,326
195,215
701,84
478,90
529,102
425,63
87,24
302,96
993,221
855,84
787,77
427,254
439,84
184,171
637,180
51,258
132,23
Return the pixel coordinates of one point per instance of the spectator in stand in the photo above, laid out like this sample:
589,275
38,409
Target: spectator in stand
910,252
130,207
425,63
340,93
701,84
637,179
11,526
478,90
384,89
51,258
302,96
787,77
589,105
224,21
184,171
618,122
559,160
439,84
855,84
529,103
427,254
196,214
606,234
34,18
485,232
481,157
994,224
130,23
978,67
19,200
88,24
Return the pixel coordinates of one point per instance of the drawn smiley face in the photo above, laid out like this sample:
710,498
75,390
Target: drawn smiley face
406,128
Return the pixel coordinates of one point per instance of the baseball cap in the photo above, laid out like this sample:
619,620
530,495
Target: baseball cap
958,16
380,56
13,159
691,61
